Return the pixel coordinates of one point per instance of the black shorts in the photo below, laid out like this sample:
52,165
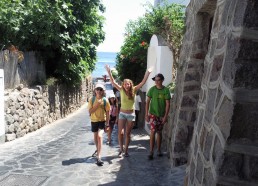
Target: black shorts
95,126
112,121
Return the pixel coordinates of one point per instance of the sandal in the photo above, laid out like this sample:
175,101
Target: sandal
150,157
160,154
94,154
120,154
126,154
99,162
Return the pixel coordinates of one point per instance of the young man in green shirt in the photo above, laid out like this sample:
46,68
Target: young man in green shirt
157,109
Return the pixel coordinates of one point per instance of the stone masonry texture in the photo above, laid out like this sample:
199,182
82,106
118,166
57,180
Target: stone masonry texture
28,109
213,124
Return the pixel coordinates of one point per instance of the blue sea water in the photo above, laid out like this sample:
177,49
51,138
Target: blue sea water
104,58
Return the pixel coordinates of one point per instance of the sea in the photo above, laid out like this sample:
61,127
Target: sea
104,58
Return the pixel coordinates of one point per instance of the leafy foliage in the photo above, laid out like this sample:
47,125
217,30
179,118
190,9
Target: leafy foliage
172,87
114,73
64,32
169,21
132,59
166,21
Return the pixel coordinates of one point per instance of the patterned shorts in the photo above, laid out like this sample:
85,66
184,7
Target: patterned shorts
156,123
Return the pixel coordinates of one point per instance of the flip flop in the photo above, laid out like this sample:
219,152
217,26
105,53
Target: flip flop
150,157
99,162
94,154
120,154
160,154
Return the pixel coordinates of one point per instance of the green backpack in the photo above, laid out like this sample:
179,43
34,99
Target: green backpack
104,99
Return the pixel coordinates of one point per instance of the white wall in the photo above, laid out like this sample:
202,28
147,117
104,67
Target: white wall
165,65
160,57
151,62
2,124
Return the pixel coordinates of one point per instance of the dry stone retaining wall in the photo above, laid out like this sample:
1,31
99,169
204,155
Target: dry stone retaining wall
28,109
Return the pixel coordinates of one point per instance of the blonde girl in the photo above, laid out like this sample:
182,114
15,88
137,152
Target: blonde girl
126,115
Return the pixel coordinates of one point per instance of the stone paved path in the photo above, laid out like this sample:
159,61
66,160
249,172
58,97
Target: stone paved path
59,154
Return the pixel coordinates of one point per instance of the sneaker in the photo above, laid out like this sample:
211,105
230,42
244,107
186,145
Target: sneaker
99,162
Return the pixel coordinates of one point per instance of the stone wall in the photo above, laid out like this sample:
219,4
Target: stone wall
28,109
214,123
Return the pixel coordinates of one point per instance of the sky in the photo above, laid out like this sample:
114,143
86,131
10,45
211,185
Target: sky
118,13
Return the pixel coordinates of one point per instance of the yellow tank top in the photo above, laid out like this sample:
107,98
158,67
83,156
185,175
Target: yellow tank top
126,103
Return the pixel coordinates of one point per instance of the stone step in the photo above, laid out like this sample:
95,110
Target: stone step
250,149
222,180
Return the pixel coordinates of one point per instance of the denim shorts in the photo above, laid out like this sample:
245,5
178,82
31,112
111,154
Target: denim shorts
126,116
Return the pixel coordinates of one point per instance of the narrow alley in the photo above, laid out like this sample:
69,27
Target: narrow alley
60,154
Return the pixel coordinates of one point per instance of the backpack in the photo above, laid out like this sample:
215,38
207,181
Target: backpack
104,99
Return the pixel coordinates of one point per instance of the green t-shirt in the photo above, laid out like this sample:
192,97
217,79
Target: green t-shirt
158,100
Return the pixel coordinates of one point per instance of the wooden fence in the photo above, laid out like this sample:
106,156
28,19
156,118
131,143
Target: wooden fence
29,72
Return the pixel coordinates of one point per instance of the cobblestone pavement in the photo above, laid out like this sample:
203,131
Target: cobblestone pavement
59,154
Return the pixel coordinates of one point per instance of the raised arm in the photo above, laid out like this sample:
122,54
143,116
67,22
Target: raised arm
147,73
118,87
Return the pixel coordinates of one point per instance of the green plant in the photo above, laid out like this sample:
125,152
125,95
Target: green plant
114,73
172,87
132,58
51,81
65,33
167,21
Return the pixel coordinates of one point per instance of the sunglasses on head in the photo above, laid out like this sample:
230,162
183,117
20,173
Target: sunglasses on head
99,89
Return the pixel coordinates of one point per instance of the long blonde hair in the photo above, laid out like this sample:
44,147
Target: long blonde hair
131,92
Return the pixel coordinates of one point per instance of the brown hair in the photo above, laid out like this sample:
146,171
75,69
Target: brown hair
131,92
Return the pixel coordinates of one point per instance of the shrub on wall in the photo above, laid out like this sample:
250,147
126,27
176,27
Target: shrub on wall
65,33
132,58
167,21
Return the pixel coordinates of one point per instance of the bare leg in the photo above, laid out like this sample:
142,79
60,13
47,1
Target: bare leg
99,146
121,123
159,140
109,134
129,127
152,141
96,139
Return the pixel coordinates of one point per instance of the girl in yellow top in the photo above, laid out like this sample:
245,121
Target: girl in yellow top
99,114
126,114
